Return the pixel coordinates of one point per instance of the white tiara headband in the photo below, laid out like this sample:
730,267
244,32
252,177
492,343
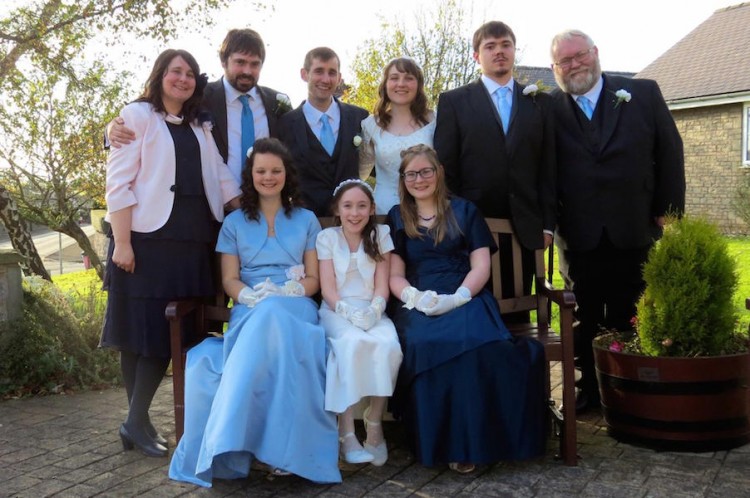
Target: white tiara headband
350,181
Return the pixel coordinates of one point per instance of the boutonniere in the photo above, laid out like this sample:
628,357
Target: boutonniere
283,104
357,140
531,90
621,96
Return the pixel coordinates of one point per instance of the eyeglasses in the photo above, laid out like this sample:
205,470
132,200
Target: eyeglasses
579,57
411,176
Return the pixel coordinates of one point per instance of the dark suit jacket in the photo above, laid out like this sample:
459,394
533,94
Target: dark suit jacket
629,172
505,176
215,102
319,173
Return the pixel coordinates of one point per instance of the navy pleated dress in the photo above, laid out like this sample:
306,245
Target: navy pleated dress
173,262
467,390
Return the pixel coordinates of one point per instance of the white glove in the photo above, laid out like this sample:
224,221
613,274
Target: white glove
344,309
368,317
448,302
290,288
293,288
249,297
414,298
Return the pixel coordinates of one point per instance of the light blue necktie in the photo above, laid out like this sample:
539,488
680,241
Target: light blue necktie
326,135
503,106
248,126
585,104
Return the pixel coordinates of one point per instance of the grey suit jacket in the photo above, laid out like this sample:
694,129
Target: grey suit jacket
622,177
319,173
507,176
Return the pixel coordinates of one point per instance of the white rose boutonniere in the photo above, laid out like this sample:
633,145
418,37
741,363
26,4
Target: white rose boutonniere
249,151
357,140
208,126
621,96
283,104
531,90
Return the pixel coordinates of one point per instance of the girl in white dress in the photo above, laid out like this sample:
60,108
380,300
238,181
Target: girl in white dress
365,354
401,119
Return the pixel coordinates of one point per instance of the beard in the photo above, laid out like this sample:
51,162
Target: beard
242,82
581,82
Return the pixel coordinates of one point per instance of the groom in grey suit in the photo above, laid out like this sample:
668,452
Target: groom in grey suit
321,132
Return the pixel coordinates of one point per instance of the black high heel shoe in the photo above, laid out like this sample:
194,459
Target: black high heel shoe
142,441
153,434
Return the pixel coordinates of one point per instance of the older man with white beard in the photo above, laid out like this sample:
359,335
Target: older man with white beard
620,171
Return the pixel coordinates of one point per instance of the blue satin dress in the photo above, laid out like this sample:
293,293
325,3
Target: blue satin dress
258,392
467,390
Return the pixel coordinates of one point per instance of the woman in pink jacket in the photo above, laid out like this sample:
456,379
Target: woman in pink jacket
166,193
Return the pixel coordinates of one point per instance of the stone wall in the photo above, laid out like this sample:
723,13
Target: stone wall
713,163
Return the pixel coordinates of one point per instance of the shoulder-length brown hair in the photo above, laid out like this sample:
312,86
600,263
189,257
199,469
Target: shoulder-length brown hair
153,91
419,110
250,199
445,223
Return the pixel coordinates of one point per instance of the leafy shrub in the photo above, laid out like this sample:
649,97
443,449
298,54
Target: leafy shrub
53,347
687,308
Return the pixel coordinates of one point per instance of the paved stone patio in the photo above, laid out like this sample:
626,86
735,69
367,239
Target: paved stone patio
68,446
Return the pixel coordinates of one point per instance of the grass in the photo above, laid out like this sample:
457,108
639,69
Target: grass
739,248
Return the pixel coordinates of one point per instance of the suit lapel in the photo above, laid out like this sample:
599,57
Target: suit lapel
218,107
610,113
269,104
520,112
345,126
482,105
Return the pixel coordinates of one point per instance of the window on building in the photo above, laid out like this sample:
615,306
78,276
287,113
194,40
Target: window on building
746,135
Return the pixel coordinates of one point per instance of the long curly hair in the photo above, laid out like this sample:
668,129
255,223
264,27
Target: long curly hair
445,223
370,231
419,110
153,90
250,199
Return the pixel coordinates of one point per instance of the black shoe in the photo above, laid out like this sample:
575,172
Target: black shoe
587,400
142,441
153,434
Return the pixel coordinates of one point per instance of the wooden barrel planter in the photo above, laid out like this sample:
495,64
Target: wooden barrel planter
683,404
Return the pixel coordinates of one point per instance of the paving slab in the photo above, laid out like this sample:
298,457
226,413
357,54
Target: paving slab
68,446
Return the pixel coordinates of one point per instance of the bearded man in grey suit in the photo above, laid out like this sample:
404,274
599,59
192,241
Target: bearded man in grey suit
620,172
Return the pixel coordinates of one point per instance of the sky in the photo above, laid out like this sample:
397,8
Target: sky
629,34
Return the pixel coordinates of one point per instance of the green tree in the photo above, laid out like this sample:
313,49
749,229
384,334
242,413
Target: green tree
49,39
53,148
438,43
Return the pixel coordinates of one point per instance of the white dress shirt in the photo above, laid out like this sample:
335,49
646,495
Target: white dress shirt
312,116
236,159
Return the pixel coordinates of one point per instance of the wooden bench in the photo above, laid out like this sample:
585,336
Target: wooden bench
209,318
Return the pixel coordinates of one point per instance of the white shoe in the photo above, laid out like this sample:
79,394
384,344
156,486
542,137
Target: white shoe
380,452
356,455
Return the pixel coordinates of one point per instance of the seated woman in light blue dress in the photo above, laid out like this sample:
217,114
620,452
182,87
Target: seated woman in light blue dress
401,119
258,392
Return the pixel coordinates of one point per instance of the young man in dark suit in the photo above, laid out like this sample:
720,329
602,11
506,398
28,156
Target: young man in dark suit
620,171
242,56
321,132
494,137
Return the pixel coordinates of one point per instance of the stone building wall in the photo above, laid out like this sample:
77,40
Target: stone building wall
713,163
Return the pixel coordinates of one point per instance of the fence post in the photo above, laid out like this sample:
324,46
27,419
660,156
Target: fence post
11,293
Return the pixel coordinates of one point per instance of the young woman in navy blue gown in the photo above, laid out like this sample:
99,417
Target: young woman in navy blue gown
468,393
